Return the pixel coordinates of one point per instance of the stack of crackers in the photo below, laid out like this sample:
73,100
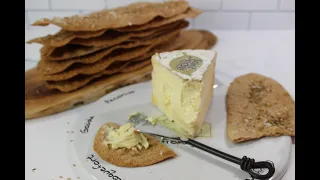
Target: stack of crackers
96,53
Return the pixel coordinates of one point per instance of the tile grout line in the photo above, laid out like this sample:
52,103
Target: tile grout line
193,23
249,22
50,4
30,60
278,5
106,4
27,19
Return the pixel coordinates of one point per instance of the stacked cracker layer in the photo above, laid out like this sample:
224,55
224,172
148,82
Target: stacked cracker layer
111,45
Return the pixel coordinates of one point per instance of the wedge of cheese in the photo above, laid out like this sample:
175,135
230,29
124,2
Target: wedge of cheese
182,86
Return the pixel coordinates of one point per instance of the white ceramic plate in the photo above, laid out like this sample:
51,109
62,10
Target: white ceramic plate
190,164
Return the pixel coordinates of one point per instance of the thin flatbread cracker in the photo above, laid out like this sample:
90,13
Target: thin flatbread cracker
133,14
51,69
63,37
135,65
103,63
170,46
75,50
122,37
258,106
155,153
81,80
160,21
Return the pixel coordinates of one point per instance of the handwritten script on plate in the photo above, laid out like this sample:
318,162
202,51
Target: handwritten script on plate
97,166
87,125
118,97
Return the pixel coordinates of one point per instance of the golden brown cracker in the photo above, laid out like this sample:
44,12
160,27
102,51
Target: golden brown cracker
155,153
132,66
103,63
160,21
258,106
116,38
75,50
67,52
133,14
41,101
63,37
125,52
169,46
81,80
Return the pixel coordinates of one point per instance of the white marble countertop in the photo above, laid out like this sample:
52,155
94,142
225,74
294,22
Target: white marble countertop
271,53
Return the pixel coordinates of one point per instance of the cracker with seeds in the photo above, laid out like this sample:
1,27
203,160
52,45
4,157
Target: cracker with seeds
77,50
104,62
123,157
125,51
133,14
64,37
107,39
258,106
82,80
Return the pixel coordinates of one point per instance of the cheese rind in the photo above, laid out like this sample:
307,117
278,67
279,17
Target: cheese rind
206,56
184,97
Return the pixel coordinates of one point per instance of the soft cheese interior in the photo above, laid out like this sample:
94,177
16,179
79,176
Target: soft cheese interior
182,86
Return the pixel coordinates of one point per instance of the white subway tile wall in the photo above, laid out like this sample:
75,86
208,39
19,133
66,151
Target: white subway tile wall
78,4
206,4
222,20
287,5
268,20
37,4
217,14
116,3
250,5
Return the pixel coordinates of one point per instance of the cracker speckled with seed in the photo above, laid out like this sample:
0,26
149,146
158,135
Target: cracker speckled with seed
53,67
160,21
129,55
104,62
258,106
125,53
117,38
63,37
155,153
169,46
80,81
86,46
133,14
